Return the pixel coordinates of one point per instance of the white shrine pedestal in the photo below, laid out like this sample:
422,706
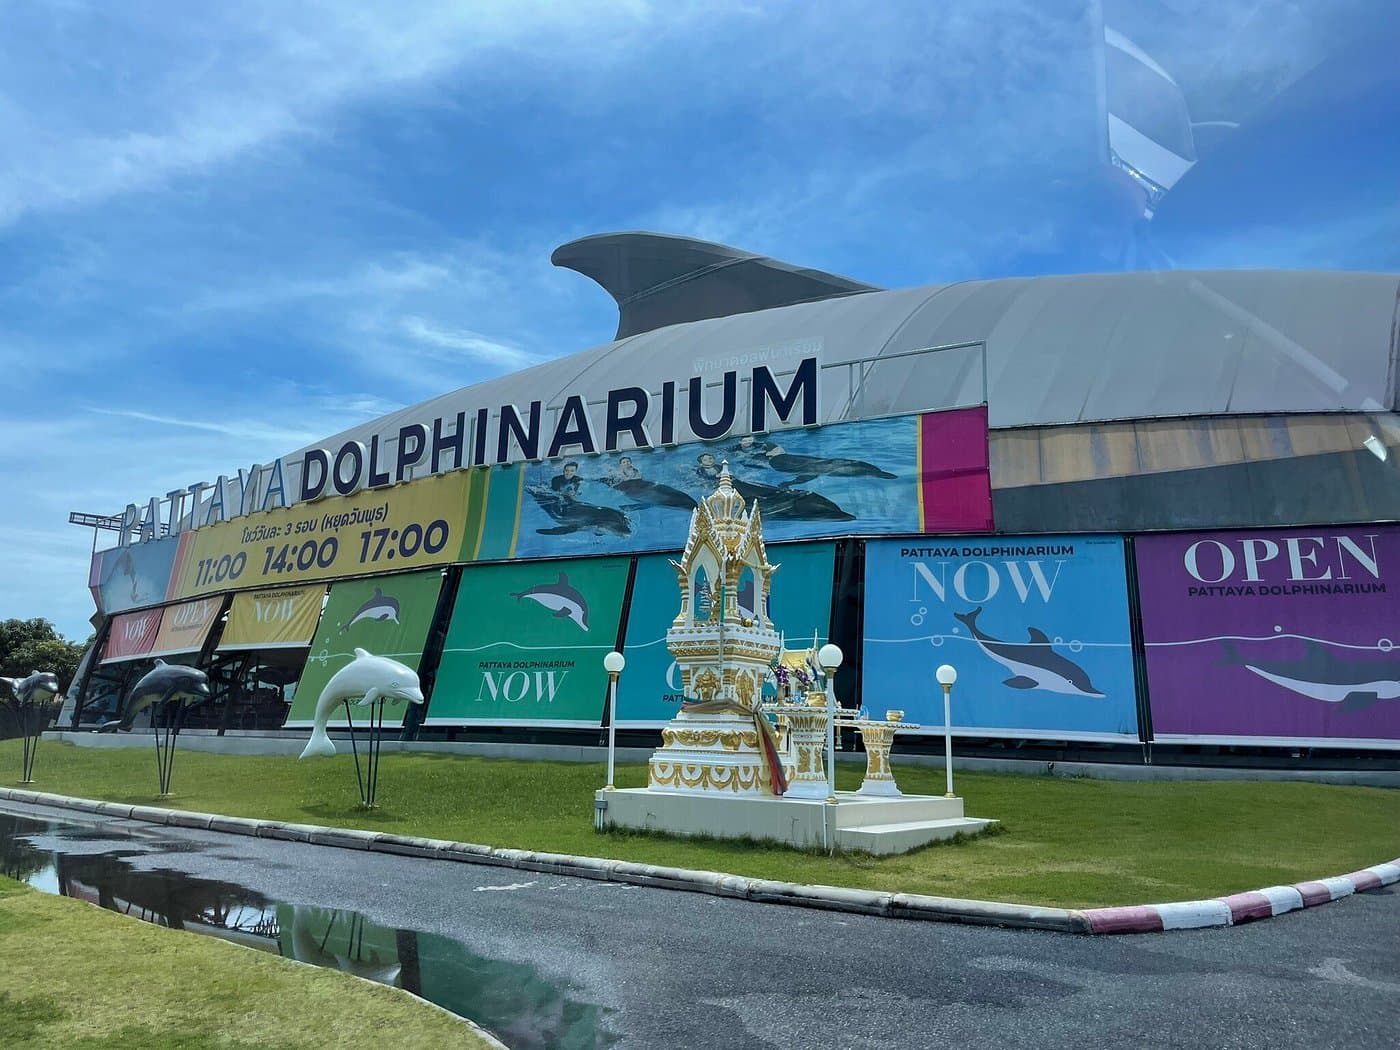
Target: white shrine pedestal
858,822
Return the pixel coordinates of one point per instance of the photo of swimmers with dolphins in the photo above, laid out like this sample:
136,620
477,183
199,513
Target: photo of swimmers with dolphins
820,481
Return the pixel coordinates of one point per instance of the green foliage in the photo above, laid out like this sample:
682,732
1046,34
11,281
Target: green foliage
35,645
1064,842
129,986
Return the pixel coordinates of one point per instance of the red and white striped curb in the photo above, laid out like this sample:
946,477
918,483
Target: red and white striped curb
1239,907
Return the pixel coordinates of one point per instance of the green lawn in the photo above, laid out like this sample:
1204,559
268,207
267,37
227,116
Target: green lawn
74,976
1067,842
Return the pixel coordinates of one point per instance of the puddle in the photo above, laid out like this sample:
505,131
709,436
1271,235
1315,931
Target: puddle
511,1000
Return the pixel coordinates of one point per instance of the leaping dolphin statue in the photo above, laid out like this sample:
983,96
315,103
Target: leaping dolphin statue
36,688
163,683
366,679
1033,664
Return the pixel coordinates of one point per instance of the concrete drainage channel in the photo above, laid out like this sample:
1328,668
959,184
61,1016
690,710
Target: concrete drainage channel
1223,911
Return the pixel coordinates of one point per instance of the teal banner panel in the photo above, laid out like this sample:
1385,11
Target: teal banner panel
649,695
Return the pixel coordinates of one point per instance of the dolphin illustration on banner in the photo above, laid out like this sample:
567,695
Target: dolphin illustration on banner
378,606
1321,675
559,598
1033,664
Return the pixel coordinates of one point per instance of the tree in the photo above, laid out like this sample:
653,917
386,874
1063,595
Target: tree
35,645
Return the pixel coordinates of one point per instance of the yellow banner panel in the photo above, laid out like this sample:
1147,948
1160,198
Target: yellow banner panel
277,619
411,526
185,626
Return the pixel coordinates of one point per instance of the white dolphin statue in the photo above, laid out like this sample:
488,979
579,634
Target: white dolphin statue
365,679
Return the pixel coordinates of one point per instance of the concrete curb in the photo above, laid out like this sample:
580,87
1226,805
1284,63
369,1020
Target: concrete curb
1240,907
1223,911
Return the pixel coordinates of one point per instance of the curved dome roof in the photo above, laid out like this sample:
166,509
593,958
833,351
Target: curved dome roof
1063,349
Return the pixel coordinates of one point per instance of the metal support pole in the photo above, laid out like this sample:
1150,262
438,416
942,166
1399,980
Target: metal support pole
948,739
831,735
612,726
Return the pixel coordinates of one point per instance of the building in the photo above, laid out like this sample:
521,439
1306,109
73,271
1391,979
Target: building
1132,508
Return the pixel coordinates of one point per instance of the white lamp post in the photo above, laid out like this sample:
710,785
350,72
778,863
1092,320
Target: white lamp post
830,658
613,663
947,675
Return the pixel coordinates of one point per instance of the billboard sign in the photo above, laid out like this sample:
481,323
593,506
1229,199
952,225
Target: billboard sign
410,526
1037,628
131,635
526,644
483,437
649,692
184,626
130,577
871,477
387,616
284,618
1284,637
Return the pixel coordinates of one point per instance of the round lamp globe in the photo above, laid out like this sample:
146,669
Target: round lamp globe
830,656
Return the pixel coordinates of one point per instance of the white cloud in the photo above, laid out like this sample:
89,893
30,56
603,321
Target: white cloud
174,92
100,460
464,343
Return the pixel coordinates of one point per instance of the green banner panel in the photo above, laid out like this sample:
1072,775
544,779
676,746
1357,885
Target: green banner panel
649,692
386,615
527,642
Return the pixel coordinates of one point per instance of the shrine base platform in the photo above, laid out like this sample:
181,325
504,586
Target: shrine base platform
855,822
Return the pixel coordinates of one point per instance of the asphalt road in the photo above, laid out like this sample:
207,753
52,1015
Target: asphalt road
675,969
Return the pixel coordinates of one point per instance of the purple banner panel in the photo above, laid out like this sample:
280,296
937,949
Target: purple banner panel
1285,636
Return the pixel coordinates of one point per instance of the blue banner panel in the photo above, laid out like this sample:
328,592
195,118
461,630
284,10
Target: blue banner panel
649,691
131,577
1037,628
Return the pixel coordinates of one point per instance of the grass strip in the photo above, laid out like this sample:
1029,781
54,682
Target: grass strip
1066,842
73,976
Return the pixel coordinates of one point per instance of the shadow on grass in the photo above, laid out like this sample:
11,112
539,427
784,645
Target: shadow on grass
746,844
351,813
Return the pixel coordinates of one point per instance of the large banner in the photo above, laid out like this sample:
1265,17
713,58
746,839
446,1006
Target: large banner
877,476
909,474
129,577
131,635
649,692
1037,628
185,626
435,521
527,642
276,619
1282,637
387,616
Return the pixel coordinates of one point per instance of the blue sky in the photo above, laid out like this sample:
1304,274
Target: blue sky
229,233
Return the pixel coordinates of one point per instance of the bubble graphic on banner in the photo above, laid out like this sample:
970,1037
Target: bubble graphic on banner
1075,646
918,618
1278,627
1385,645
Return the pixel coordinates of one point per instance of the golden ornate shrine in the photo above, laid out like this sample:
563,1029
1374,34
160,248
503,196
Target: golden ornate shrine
724,644
722,768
